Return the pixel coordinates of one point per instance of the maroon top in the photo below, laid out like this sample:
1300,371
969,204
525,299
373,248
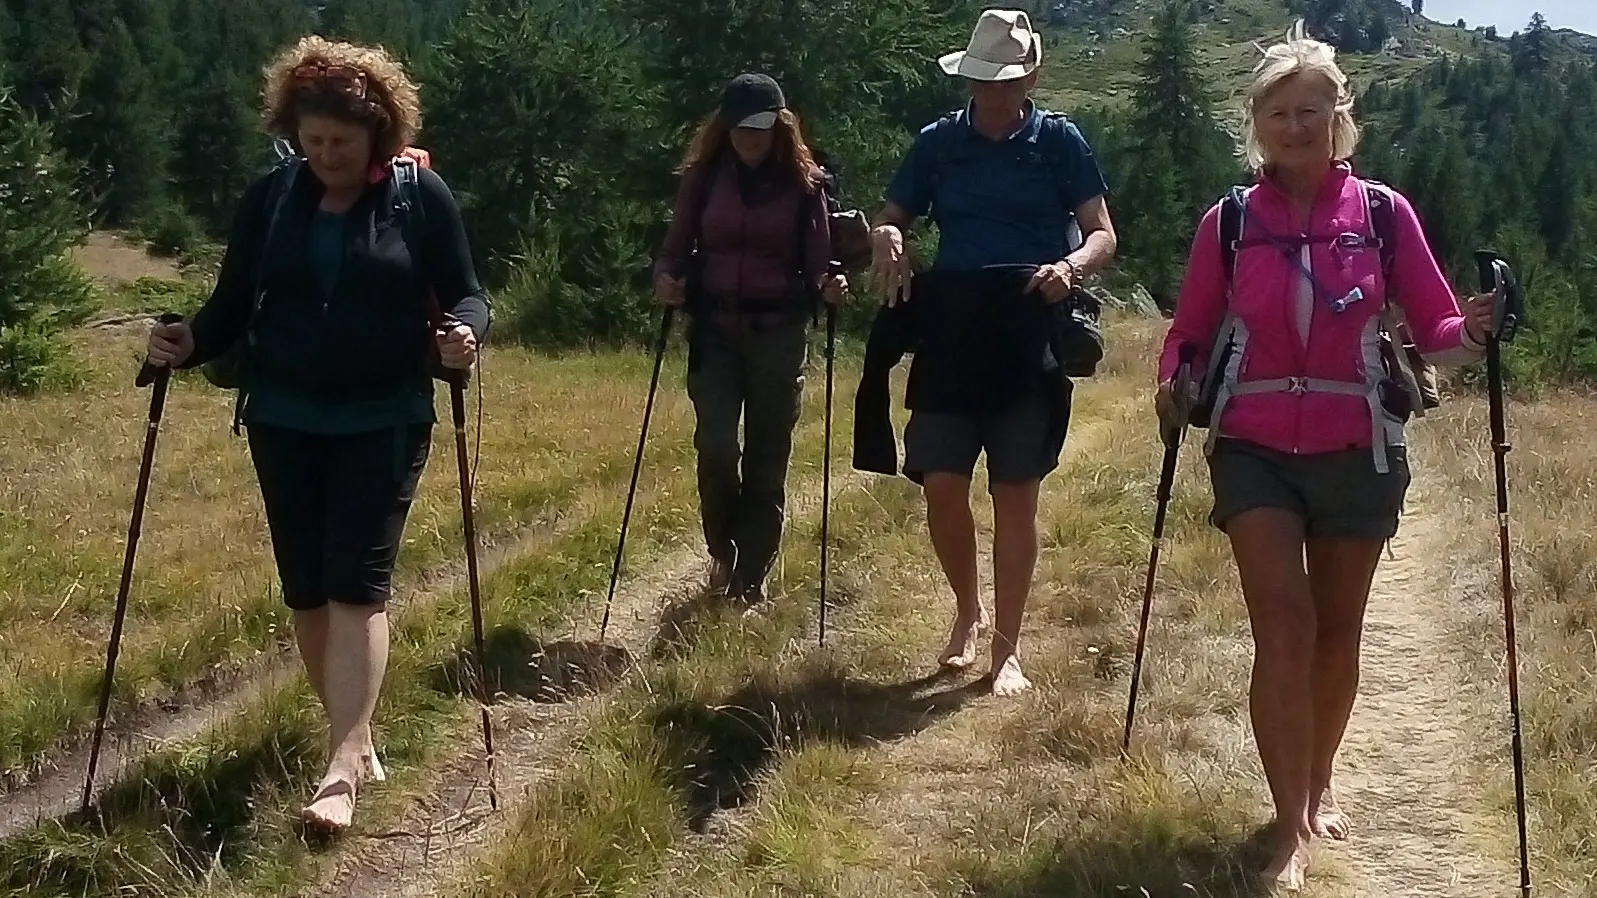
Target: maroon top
749,237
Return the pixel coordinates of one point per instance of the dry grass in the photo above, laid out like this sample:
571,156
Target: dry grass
783,770
215,817
1553,526
203,601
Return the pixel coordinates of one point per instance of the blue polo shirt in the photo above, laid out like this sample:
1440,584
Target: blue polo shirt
999,202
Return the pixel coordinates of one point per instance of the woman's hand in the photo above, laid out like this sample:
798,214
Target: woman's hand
170,345
833,288
457,346
1478,314
889,263
669,291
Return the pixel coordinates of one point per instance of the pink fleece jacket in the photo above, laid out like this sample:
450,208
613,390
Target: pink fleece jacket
1266,298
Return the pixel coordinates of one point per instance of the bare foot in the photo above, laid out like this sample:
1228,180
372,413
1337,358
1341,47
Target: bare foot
373,768
1008,680
962,640
1329,820
332,808
1290,865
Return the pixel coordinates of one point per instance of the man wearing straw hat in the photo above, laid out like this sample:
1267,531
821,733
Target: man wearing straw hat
1010,186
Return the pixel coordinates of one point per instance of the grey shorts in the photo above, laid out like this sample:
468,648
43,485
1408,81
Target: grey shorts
1016,443
1335,493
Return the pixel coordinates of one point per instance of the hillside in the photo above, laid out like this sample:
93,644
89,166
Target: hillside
1094,45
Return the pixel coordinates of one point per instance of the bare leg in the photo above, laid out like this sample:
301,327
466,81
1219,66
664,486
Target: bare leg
1014,565
953,532
1340,573
1268,544
310,632
357,656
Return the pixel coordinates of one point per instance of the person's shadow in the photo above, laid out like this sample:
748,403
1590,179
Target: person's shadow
726,745
517,663
1153,855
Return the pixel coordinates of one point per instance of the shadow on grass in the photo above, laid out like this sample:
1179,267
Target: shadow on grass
1151,860
517,663
727,745
183,818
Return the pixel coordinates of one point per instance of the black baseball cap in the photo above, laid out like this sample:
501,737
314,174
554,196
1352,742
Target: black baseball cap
752,101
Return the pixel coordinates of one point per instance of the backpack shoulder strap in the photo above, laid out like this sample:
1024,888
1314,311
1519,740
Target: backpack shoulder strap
412,214
1382,218
280,186
942,150
1233,207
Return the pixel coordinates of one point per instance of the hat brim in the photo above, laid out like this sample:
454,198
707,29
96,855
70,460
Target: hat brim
964,65
759,120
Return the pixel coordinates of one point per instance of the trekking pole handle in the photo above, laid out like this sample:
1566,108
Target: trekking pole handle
1497,278
149,371
1180,393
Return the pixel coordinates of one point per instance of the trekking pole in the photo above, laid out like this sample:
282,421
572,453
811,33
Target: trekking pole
826,464
457,401
1498,279
1171,433
637,463
159,376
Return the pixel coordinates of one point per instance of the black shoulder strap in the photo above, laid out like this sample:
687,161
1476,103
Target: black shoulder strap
412,215
1231,209
280,186
1383,223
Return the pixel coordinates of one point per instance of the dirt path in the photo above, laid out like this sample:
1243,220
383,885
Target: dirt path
1420,829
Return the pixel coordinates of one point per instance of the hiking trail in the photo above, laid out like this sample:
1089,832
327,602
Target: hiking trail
1419,825
449,826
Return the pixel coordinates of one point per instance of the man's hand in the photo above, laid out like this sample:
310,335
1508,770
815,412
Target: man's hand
170,344
1478,314
457,346
669,291
1054,281
833,288
889,263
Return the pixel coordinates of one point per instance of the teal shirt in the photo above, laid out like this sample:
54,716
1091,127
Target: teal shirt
274,407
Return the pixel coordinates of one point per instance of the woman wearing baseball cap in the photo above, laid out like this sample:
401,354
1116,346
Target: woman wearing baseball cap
747,253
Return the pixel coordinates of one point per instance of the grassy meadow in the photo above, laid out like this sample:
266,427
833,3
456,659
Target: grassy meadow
696,752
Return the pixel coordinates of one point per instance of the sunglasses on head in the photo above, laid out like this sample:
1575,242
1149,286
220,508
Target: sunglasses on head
345,78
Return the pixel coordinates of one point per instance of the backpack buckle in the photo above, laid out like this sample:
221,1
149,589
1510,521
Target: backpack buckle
1296,384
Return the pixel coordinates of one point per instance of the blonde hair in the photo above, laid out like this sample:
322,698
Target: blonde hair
1299,55
391,108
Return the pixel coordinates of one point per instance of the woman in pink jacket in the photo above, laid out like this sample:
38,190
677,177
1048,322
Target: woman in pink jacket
1307,409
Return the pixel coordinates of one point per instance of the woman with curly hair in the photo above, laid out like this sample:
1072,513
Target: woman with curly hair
748,249
342,338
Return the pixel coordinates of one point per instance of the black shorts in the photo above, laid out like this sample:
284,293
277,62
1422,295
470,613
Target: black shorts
1336,494
336,508
1015,441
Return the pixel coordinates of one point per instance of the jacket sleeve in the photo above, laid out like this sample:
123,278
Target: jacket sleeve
673,254
1201,304
1421,290
818,239
452,273
221,321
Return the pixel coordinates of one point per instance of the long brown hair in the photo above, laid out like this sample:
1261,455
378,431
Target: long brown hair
789,147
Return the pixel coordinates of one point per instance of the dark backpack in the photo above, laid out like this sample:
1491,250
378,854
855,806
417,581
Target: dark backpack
1081,330
1049,151
229,370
